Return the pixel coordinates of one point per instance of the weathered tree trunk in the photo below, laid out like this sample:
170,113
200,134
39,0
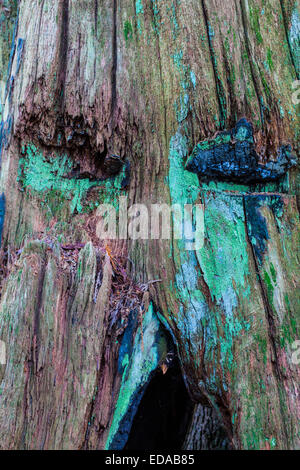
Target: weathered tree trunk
87,323
206,431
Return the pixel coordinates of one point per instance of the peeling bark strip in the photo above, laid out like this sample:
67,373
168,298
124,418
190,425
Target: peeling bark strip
108,99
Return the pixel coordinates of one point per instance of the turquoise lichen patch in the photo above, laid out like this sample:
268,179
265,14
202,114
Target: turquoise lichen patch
156,14
225,229
139,12
139,7
225,266
184,186
45,176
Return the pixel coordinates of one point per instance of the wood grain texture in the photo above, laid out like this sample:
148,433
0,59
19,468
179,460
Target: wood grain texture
146,80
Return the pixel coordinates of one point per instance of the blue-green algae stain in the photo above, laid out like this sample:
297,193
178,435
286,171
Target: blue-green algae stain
139,356
45,176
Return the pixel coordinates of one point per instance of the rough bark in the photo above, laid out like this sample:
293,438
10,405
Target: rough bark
84,324
206,431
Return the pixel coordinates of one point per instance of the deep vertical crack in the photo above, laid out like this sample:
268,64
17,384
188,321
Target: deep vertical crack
63,54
